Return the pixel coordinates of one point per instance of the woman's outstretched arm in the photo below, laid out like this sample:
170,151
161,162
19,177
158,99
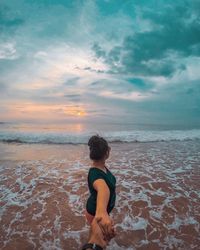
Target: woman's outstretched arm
103,196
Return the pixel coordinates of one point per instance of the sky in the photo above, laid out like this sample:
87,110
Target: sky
126,61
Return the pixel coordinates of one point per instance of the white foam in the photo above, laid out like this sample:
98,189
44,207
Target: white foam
178,171
133,223
172,242
180,221
117,136
157,166
156,214
114,246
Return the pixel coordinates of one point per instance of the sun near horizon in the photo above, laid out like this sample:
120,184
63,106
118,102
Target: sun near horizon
100,60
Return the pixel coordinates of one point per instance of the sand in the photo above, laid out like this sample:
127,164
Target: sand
43,190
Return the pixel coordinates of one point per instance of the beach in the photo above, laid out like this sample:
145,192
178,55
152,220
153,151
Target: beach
125,71
44,190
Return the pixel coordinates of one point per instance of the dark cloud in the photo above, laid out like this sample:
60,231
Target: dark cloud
96,83
155,52
102,83
46,3
141,84
176,35
93,70
114,54
73,97
97,111
72,81
9,20
99,52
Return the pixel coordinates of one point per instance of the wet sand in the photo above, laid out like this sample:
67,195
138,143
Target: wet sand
43,190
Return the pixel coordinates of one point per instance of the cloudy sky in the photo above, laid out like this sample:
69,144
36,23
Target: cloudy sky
104,60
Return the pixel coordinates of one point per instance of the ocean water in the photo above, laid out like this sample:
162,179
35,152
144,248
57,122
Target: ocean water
79,133
43,186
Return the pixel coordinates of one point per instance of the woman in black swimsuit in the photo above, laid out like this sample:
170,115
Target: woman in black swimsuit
101,183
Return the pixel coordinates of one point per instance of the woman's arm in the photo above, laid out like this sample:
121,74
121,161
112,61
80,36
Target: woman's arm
103,196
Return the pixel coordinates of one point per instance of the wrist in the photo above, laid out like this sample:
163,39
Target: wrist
101,212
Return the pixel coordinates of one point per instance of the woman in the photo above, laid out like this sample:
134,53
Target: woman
101,183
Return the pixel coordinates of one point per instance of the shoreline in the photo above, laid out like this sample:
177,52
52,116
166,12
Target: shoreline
44,189
16,142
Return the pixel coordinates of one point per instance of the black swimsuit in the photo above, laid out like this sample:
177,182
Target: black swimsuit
109,178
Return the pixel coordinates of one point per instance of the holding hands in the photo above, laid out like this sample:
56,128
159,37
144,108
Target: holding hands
107,226
96,239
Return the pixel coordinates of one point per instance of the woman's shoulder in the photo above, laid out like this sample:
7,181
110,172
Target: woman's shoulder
94,174
94,170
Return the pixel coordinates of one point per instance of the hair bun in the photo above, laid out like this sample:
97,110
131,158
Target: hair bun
94,141
98,147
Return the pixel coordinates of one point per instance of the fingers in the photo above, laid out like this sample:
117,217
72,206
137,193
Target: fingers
107,228
98,219
111,232
104,229
108,232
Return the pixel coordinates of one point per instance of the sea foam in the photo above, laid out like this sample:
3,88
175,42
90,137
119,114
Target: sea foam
82,138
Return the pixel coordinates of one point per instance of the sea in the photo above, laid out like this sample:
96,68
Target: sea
43,185
78,133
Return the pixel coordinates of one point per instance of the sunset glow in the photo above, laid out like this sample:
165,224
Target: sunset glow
44,112
66,60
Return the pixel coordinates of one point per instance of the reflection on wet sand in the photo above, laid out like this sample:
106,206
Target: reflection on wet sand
44,189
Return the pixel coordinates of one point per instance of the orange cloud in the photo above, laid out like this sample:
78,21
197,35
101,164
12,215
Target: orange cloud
34,111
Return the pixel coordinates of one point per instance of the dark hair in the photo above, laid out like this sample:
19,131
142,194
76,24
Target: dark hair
98,147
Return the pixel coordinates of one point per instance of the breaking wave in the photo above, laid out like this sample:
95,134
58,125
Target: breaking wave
82,138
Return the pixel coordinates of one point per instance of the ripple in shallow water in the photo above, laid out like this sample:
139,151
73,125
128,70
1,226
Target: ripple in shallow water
158,204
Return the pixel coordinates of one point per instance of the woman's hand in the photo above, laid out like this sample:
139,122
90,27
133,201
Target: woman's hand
96,234
106,224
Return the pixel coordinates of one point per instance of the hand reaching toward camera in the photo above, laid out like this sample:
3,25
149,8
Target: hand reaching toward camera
96,234
96,237
107,226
